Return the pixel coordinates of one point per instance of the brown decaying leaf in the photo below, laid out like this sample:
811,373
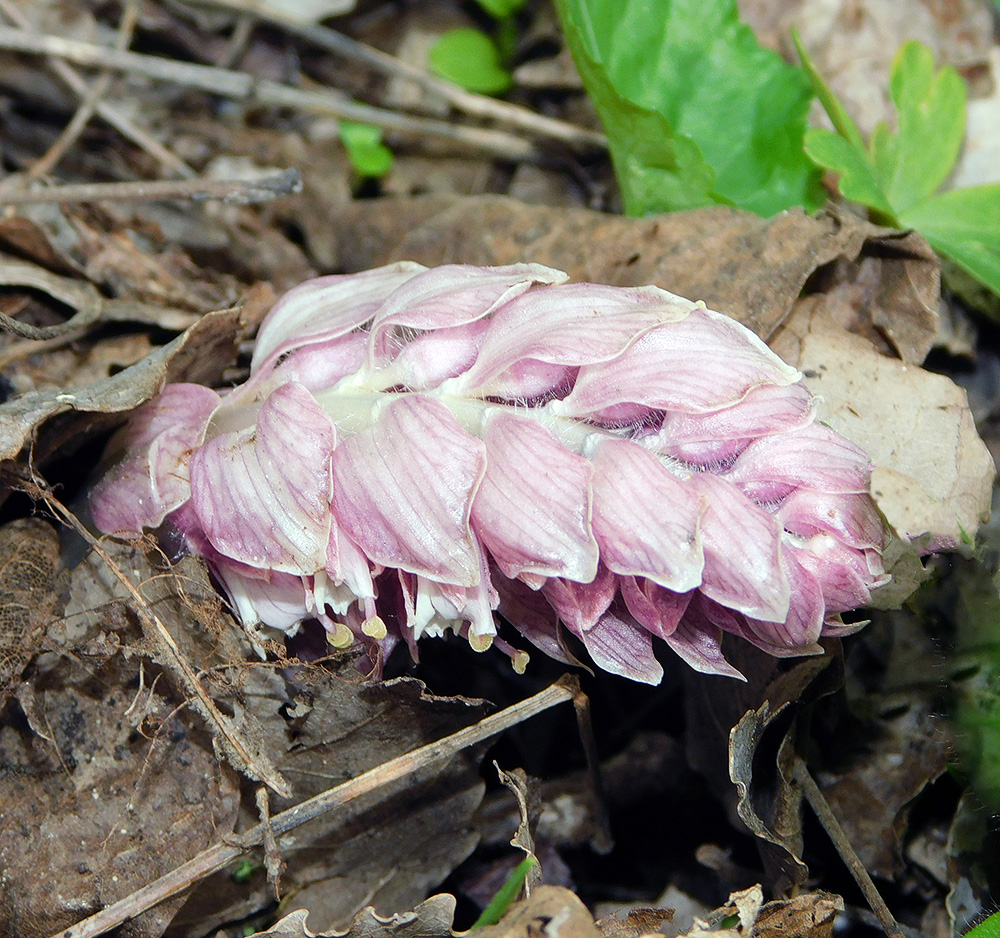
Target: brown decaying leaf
748,267
29,561
104,785
200,354
554,912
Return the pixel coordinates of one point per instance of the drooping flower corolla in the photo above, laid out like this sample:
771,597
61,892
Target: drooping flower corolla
418,449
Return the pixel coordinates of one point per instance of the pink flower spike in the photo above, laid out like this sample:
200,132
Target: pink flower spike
418,450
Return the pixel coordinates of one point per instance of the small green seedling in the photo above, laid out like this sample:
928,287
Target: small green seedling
507,894
471,59
898,174
369,157
476,61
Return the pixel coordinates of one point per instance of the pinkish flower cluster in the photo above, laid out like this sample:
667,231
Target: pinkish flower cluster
417,449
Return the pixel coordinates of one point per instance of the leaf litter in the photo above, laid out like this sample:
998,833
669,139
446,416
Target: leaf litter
96,706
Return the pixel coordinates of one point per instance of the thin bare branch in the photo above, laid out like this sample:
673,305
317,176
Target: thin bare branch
216,857
239,191
824,813
243,87
112,115
88,106
477,105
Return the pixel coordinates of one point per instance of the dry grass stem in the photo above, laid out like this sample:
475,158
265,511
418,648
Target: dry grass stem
243,87
218,856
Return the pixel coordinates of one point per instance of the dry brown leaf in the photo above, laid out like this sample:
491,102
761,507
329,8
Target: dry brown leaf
200,355
29,561
386,849
748,267
104,785
933,475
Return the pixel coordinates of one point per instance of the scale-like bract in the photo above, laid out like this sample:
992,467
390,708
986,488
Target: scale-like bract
417,449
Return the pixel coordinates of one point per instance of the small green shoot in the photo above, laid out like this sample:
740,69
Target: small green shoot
472,60
507,894
244,872
898,174
368,156
697,112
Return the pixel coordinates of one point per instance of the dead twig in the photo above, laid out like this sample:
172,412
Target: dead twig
824,813
237,191
243,87
71,133
477,105
218,856
111,114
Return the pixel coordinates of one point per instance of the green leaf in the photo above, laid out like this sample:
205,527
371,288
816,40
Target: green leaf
502,9
989,927
470,58
369,157
506,895
912,163
720,104
858,181
963,224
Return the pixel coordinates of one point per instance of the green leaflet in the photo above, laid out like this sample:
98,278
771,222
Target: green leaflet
696,110
471,59
369,157
990,927
899,172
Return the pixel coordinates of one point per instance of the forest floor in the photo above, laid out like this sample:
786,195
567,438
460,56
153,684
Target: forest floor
149,221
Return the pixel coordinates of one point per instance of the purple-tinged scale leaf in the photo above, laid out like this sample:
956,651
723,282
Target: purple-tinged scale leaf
580,605
428,359
152,479
622,647
451,295
658,610
742,545
719,436
846,576
698,364
403,490
532,510
529,612
573,325
812,457
699,645
645,517
852,518
262,494
326,308
806,610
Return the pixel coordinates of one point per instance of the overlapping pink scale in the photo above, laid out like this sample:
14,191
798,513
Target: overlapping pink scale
419,450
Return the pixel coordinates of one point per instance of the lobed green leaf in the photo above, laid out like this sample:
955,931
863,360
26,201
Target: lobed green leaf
913,162
963,224
858,181
368,156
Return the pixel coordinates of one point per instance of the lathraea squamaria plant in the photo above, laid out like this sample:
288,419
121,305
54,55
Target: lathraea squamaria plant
417,450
